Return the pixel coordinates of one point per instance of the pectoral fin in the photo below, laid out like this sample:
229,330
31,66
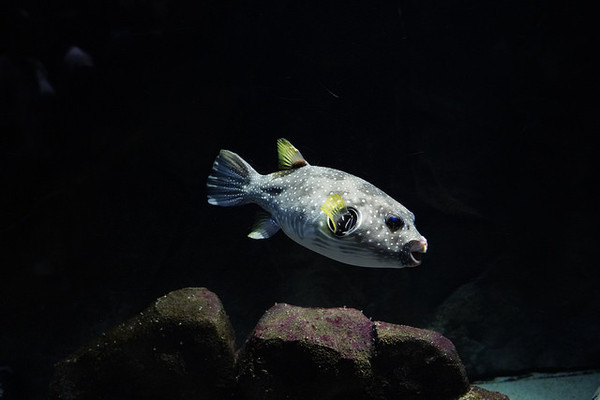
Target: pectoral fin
264,227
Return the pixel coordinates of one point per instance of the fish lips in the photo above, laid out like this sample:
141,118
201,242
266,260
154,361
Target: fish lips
411,252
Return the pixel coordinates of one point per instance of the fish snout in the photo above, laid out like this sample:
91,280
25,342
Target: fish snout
412,251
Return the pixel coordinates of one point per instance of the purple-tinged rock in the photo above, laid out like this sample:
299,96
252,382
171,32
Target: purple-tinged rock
412,363
181,347
308,353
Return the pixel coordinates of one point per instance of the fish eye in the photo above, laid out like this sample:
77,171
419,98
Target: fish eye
394,222
345,224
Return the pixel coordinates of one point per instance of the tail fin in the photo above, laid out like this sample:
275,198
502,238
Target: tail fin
227,183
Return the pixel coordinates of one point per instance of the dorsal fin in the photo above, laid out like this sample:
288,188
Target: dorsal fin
289,156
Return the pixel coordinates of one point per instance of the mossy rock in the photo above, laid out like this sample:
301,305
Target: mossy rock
308,353
416,364
477,393
181,347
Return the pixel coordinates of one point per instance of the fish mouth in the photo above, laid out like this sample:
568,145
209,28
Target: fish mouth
413,251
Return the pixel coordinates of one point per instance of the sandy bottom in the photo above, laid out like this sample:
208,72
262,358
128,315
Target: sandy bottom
560,386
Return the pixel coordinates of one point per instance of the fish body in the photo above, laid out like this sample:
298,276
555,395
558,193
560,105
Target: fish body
329,211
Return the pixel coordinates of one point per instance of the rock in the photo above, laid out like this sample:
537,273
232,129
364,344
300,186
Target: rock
477,393
317,353
7,384
495,323
308,353
413,363
492,329
181,347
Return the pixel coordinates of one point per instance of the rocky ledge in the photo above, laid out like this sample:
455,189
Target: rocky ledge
182,347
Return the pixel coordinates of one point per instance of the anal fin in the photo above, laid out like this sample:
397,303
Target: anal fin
264,227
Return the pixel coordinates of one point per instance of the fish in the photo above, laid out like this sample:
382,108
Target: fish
328,211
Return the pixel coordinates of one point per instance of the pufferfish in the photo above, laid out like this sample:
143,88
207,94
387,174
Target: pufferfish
331,212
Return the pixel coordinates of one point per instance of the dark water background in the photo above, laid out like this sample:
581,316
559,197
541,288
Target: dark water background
479,116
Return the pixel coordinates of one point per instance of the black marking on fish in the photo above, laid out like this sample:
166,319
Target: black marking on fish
272,190
299,164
